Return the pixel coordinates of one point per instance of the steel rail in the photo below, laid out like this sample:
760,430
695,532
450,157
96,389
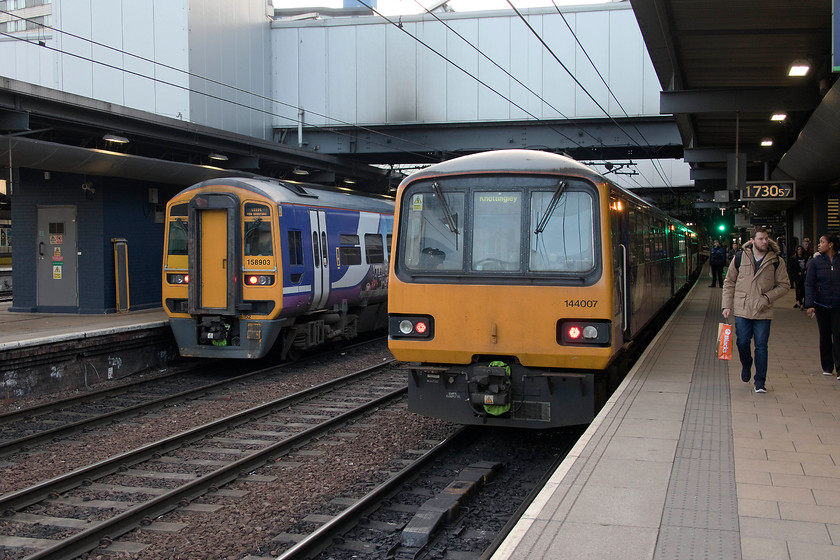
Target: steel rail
110,529
13,501
322,537
21,444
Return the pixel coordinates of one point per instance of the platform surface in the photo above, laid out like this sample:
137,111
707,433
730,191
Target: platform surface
686,461
24,329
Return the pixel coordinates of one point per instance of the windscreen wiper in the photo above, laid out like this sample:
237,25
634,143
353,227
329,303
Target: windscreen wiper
450,220
555,198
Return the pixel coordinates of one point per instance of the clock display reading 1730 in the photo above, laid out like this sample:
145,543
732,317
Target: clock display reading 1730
768,190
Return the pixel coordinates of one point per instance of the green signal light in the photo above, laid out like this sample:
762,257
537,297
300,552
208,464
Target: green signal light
721,227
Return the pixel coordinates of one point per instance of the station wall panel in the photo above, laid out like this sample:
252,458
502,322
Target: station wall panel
449,91
118,208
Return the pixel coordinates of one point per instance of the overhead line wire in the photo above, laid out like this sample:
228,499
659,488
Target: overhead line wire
459,67
211,81
571,75
514,78
609,89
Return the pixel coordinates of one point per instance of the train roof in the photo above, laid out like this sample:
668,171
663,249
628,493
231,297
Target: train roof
307,194
509,161
521,161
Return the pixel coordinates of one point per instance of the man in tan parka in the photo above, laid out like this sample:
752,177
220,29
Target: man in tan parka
756,278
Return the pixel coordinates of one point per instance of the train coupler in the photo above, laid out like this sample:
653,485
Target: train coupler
489,387
213,330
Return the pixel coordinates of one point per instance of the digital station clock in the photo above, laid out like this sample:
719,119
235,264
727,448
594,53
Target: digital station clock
769,190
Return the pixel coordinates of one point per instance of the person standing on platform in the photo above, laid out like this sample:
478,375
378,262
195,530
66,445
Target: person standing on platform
756,278
796,271
717,260
822,299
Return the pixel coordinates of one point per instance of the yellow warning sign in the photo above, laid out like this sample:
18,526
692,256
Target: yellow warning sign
55,239
417,203
56,251
57,272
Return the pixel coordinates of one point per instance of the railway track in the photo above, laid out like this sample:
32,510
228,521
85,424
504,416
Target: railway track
458,500
73,514
21,430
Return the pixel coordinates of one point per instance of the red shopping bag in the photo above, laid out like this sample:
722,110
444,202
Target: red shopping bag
724,341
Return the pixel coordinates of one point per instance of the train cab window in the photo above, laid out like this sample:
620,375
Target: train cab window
565,243
496,231
434,238
258,239
373,249
177,243
257,229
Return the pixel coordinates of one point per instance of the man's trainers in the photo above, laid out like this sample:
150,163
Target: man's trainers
830,373
745,375
760,390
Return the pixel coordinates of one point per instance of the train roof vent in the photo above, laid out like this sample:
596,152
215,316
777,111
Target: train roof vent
298,189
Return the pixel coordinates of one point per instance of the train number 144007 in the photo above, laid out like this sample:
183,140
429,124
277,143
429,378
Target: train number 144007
591,303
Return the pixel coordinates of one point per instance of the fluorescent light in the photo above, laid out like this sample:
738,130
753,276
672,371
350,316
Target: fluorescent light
799,68
350,181
116,139
218,157
778,117
299,171
766,142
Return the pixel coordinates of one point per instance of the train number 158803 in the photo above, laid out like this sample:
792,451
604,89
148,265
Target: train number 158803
591,303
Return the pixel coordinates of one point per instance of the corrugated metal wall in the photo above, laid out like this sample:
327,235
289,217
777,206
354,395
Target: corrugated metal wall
230,44
368,71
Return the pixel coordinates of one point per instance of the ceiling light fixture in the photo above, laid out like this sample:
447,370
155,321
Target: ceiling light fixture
767,142
350,181
799,67
218,157
778,117
299,171
115,139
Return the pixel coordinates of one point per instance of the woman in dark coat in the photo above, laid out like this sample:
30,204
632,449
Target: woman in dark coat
797,267
822,298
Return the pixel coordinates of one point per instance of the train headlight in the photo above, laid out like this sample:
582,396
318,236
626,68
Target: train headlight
410,327
574,332
259,280
178,278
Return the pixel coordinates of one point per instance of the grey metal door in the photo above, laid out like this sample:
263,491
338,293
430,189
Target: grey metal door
56,257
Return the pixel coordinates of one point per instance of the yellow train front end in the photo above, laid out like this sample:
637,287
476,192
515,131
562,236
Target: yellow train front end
222,283
504,294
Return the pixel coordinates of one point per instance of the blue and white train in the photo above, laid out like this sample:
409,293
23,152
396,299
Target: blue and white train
253,266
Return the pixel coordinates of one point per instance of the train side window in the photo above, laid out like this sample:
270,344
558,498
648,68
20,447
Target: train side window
295,247
566,243
388,246
373,249
350,252
315,252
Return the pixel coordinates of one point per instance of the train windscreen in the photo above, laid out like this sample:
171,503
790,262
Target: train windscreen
474,229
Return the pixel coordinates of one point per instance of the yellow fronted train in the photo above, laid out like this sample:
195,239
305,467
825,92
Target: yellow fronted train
519,284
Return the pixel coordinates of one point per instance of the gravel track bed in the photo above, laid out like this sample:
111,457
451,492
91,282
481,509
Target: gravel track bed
304,483
45,462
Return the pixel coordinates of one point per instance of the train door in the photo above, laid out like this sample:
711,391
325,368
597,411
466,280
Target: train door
56,272
214,225
320,259
620,257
